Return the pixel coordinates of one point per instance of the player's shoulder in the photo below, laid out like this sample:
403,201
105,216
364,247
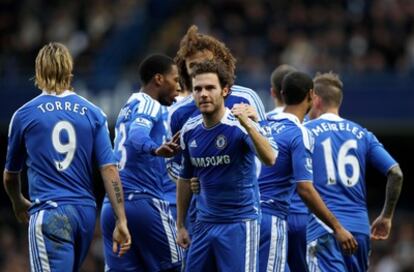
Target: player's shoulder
192,123
246,93
180,106
230,120
274,112
26,107
144,104
241,89
92,108
297,130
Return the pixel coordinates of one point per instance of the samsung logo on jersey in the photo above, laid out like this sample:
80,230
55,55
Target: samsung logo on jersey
66,106
210,161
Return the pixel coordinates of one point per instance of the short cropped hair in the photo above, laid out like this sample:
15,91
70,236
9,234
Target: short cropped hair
328,86
54,66
296,86
194,42
226,78
277,76
154,64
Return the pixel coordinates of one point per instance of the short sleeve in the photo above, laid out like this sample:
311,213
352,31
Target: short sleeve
265,131
301,149
16,152
102,144
377,156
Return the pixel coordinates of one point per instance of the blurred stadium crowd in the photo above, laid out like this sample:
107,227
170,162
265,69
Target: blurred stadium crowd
351,36
107,38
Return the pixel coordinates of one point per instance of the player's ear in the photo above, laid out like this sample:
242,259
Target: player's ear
159,79
225,91
272,92
311,95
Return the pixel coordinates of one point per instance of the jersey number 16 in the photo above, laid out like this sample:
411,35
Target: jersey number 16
343,159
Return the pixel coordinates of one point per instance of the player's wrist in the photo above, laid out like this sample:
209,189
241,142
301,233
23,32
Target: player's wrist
338,228
154,151
121,221
386,215
180,225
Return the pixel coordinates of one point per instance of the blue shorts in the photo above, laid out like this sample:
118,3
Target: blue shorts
59,238
224,247
173,210
325,254
273,244
153,235
296,256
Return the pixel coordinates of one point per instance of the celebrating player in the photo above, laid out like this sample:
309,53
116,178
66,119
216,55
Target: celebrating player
140,151
219,148
342,151
294,167
57,134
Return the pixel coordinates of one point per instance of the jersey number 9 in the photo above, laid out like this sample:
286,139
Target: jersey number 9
64,148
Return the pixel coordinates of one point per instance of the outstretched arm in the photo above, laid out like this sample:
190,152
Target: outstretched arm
381,227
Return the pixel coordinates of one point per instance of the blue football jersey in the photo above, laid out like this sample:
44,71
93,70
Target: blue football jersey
296,204
223,159
274,112
140,128
294,164
58,136
342,151
186,108
170,187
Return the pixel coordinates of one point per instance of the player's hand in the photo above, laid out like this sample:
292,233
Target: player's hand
121,239
380,228
245,109
348,243
195,185
20,208
170,148
183,239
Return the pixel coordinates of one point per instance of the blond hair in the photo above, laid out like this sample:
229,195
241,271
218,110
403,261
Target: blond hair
328,86
54,66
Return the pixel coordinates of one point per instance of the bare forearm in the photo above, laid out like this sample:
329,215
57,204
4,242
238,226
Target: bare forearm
262,146
316,205
183,200
394,185
113,188
12,185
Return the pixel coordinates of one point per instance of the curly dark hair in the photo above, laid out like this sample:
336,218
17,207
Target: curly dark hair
226,78
193,42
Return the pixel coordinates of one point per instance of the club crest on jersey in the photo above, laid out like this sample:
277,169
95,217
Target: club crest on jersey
221,141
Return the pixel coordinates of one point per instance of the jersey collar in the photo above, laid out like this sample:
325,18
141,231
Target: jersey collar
285,115
330,117
63,94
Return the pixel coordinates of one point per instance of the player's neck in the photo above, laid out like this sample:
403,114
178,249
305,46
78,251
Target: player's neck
279,103
331,110
298,110
210,120
150,91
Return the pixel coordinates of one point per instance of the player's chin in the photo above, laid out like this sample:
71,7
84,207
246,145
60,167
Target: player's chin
206,108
